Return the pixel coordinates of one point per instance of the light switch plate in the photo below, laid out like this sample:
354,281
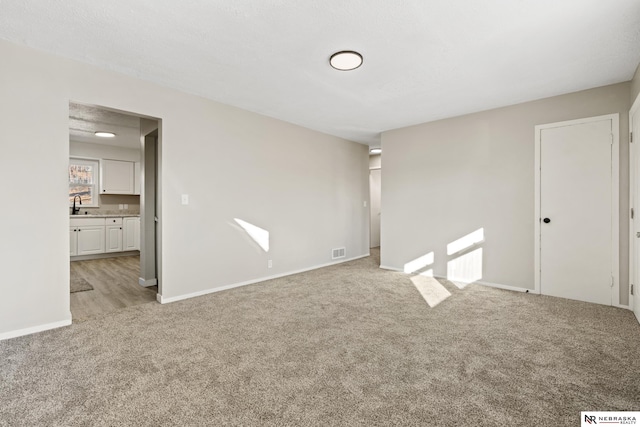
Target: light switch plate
185,199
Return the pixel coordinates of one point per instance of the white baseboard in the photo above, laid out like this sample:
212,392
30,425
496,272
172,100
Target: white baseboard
497,285
489,284
35,329
147,282
622,306
507,287
386,267
104,255
163,300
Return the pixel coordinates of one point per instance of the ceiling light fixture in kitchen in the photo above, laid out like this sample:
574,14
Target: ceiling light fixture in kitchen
346,60
375,151
103,134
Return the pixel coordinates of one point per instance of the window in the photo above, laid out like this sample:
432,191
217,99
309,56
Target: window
83,181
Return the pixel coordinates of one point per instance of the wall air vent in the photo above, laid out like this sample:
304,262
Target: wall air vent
338,253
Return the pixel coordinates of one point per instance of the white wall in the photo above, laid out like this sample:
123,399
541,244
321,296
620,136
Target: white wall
375,161
445,179
305,187
102,151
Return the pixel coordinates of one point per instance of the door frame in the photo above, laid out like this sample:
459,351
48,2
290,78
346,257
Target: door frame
370,211
634,173
615,199
156,250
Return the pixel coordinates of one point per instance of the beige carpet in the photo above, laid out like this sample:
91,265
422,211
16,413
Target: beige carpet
341,346
78,284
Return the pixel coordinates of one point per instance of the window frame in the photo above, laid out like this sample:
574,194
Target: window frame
95,192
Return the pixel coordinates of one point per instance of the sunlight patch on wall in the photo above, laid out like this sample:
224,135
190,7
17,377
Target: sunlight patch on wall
419,263
259,235
465,269
466,241
431,290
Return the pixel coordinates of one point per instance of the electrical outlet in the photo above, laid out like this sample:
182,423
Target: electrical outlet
120,206
126,206
270,264
185,199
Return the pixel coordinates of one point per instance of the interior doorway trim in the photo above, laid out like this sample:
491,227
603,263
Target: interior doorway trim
155,251
615,198
634,175
371,169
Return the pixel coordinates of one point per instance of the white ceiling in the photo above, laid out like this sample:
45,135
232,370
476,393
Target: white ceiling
423,60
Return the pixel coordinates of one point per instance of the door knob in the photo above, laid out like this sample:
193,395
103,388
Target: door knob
546,220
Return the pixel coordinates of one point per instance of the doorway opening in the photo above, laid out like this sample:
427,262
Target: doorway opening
110,179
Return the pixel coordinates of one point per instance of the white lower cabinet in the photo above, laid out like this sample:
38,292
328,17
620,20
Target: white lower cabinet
73,240
113,231
90,240
90,236
131,234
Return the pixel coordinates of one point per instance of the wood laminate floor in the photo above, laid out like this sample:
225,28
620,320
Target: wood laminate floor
115,286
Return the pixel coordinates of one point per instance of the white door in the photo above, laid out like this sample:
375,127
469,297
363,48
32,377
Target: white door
634,126
576,259
375,180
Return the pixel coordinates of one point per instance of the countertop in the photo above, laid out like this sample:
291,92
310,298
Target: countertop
123,215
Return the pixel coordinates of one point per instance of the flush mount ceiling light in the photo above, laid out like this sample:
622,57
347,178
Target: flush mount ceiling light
346,60
375,151
102,134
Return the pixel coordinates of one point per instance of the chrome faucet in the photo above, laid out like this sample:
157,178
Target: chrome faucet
76,210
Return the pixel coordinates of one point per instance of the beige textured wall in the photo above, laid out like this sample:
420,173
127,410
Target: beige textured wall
445,179
232,163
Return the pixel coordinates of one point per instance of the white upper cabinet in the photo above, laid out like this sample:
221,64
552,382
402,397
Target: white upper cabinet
116,177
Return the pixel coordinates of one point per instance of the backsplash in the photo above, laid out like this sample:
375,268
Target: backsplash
110,205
